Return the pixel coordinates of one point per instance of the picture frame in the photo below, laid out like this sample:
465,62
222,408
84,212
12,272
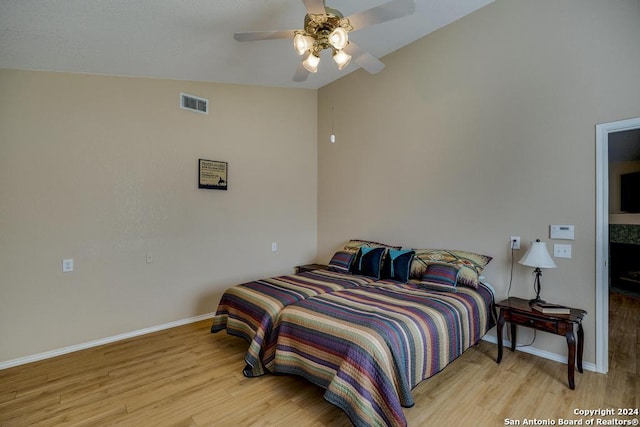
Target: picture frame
212,174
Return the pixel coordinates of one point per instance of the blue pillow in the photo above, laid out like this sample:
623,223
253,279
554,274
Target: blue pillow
398,265
370,262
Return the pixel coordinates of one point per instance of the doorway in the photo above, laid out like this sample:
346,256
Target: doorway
605,134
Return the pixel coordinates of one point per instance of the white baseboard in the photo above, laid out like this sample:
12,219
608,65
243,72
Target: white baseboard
95,343
540,353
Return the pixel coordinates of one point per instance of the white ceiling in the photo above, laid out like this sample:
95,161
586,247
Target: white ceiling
193,39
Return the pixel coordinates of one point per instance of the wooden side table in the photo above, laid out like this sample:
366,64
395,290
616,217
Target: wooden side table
310,267
517,311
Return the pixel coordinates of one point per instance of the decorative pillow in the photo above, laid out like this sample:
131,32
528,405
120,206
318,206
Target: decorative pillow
342,260
440,277
370,262
396,265
470,264
355,245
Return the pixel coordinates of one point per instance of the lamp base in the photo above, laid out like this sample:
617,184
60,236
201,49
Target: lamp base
536,287
537,300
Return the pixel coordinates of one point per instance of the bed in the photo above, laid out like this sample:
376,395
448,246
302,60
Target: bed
369,329
369,346
248,310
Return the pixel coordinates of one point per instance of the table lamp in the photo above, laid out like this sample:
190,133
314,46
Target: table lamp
537,256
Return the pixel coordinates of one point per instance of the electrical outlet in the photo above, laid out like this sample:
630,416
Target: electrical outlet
149,258
67,265
274,247
515,242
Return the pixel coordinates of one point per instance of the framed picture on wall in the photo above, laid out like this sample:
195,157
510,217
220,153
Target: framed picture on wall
212,174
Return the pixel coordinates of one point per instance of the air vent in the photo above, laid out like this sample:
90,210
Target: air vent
194,103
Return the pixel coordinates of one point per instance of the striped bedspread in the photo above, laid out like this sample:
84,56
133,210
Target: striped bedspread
249,310
369,346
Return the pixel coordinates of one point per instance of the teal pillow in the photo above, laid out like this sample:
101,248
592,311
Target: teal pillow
397,265
370,262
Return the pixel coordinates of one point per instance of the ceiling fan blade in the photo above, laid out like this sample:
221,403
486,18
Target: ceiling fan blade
385,12
364,59
315,7
301,73
250,36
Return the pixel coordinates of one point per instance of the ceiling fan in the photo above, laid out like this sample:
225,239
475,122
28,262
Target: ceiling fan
327,28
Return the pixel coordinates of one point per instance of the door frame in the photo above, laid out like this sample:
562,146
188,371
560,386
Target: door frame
602,236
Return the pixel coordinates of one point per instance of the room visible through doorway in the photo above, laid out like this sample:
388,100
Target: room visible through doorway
616,143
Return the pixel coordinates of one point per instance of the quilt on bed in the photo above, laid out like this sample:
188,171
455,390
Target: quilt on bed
249,310
369,346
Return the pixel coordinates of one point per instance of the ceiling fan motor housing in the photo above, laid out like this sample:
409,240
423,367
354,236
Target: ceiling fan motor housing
320,27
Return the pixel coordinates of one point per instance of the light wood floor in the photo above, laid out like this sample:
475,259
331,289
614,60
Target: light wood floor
188,377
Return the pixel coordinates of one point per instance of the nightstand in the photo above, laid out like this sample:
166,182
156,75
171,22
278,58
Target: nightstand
517,311
310,267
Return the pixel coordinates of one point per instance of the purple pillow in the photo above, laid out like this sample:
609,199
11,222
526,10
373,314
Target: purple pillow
440,277
341,261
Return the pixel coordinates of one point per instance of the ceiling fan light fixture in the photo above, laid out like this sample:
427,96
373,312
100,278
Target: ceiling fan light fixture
302,43
342,59
311,63
339,38
326,28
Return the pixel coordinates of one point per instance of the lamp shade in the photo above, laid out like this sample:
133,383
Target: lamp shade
342,59
537,256
302,43
311,63
339,38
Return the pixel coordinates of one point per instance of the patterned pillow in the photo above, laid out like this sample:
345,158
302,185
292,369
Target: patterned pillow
370,262
440,277
356,244
342,260
471,264
397,264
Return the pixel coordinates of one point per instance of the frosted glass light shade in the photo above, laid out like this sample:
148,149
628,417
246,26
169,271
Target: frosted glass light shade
302,43
311,63
342,59
339,38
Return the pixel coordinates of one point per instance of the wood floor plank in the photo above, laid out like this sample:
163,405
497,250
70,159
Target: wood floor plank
188,377
97,414
13,381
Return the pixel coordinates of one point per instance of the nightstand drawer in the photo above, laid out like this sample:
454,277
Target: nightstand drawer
539,323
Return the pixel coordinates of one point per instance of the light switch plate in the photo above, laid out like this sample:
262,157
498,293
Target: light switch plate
561,251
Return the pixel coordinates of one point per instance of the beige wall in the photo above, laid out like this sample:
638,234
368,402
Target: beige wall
104,170
482,130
